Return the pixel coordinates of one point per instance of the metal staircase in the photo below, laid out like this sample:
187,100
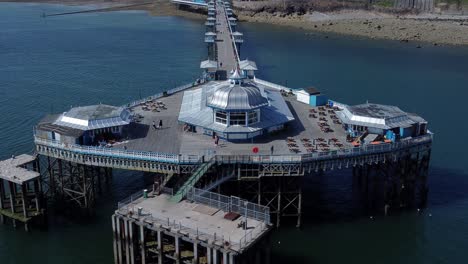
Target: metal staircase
192,180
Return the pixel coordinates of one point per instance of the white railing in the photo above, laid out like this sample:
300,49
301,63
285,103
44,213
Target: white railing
159,95
368,149
119,153
233,42
272,85
134,197
130,208
230,204
175,225
231,159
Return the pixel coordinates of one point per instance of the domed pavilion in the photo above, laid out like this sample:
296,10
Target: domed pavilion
236,109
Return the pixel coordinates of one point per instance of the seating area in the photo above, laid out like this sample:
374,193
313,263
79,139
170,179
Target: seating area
313,145
154,106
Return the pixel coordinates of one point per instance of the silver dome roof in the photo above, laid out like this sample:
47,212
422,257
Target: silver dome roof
237,97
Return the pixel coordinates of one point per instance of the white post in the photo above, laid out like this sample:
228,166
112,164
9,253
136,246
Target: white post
225,257
208,254
119,248
114,229
126,236
195,252
215,256
177,249
132,257
160,247
142,239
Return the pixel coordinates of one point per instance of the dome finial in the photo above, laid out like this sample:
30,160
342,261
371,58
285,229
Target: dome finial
236,77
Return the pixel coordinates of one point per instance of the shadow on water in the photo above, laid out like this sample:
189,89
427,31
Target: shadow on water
63,212
330,197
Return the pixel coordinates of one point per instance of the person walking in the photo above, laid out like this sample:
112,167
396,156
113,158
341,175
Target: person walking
154,125
272,148
160,123
216,140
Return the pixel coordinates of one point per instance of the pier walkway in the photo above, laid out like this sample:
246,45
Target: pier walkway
228,57
274,161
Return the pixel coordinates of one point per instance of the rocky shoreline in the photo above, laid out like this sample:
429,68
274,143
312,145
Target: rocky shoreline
373,24
408,27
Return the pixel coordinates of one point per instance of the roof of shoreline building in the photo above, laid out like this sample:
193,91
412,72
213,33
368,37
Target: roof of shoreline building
379,116
208,64
94,117
248,65
311,90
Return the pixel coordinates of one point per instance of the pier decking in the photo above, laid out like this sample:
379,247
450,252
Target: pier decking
277,143
226,53
171,138
20,190
206,228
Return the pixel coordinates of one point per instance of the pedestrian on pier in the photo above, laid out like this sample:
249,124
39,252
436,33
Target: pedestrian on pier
272,149
160,123
154,125
216,140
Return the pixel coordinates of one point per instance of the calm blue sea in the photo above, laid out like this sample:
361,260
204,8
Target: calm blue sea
48,65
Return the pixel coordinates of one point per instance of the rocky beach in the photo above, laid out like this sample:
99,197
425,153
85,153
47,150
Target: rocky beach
374,24
410,27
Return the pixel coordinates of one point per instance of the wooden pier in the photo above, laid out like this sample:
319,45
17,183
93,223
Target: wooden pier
20,190
210,203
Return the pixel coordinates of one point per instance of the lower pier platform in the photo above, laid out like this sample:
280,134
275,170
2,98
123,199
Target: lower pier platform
20,190
205,228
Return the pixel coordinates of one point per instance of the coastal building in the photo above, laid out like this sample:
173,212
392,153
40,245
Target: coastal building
85,125
209,69
237,109
248,68
311,96
379,119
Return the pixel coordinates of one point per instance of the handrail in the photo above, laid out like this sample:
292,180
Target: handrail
159,95
125,207
228,159
272,85
186,187
120,153
233,42
230,204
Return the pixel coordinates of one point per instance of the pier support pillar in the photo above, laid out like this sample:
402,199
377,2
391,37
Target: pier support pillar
23,201
142,241
177,249
160,247
225,257
278,214
208,254
131,241
126,241
114,229
119,240
215,256
195,252
231,258
12,200
299,208
2,195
